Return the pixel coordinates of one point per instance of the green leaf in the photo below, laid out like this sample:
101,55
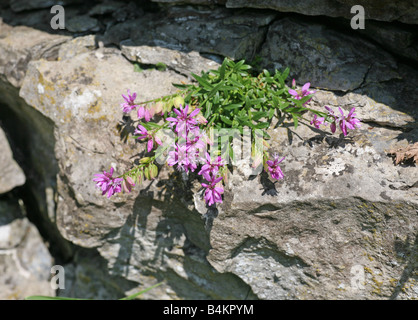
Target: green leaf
182,86
283,105
285,74
208,110
295,120
258,115
262,125
141,292
231,152
233,106
271,113
216,89
236,83
222,69
206,85
226,120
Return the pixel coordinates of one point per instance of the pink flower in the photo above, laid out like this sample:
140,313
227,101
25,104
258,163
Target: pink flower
273,167
144,134
351,121
299,94
211,167
213,192
183,157
344,122
317,121
184,121
107,183
129,103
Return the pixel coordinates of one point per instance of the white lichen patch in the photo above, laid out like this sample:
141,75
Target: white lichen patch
41,89
79,101
335,167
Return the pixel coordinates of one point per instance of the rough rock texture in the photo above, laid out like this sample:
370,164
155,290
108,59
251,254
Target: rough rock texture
21,5
405,11
25,262
188,29
342,224
320,55
11,175
21,44
185,63
400,40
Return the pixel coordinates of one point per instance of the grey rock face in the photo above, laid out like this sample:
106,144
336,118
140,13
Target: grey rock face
396,39
25,262
185,63
405,11
324,57
19,45
19,5
11,175
82,23
342,224
187,29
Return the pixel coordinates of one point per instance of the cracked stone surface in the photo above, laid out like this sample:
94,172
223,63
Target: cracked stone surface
342,224
327,59
25,262
405,11
11,175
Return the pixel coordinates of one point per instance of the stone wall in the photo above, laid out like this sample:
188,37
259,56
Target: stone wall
341,225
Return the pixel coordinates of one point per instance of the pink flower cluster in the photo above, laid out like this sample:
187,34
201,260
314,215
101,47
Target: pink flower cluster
344,122
107,183
188,150
273,167
143,111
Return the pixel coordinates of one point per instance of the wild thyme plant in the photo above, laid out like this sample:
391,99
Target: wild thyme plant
195,127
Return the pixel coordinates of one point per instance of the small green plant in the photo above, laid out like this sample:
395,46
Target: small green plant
228,99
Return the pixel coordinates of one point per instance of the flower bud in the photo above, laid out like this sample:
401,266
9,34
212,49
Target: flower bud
151,111
167,106
153,171
158,107
146,173
127,184
178,101
144,160
130,181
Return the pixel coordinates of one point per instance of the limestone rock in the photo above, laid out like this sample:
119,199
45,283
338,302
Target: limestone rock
25,262
76,46
11,175
341,224
184,63
19,45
